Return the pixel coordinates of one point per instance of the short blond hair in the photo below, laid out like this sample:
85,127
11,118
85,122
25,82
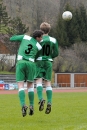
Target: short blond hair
45,27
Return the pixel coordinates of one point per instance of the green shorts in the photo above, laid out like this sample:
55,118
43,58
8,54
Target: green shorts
44,70
25,71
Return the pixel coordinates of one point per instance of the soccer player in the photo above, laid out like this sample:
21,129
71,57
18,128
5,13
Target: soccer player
26,68
44,60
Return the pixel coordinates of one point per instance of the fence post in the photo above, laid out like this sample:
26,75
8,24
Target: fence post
72,80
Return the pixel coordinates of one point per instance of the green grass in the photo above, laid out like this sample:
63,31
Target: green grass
69,112
6,72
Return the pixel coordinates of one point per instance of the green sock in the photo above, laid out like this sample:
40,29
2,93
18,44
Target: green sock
22,97
40,92
49,95
31,97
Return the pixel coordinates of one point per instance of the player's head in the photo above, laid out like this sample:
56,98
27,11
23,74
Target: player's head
37,34
45,27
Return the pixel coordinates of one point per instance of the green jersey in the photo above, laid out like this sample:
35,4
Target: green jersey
28,47
49,49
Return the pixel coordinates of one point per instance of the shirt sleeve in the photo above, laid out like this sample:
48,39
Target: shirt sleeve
55,52
17,38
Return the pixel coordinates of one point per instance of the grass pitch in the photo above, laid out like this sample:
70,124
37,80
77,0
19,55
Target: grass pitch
69,112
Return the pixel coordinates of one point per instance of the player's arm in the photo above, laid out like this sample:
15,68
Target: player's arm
39,47
55,50
16,38
39,50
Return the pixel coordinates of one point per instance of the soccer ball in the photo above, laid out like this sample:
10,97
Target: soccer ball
67,15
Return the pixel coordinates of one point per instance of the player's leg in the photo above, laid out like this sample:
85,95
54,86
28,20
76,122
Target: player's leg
39,85
39,88
21,91
49,96
30,86
30,74
22,98
48,86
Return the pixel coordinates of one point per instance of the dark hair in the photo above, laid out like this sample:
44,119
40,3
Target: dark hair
37,33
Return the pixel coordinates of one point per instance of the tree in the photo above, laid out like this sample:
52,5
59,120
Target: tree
72,60
17,27
61,34
69,32
4,19
82,22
